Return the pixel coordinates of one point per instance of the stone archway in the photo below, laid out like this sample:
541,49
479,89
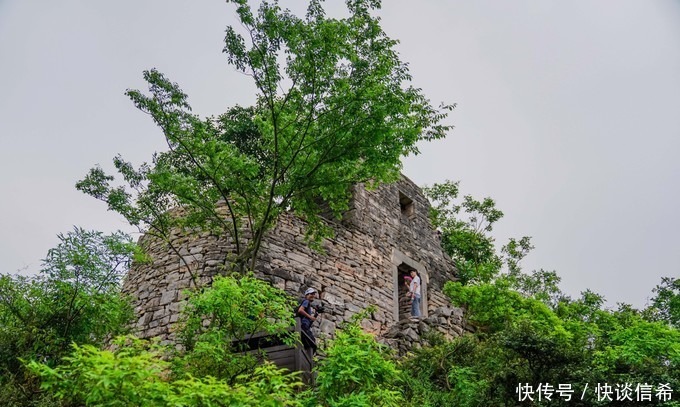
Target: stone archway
402,264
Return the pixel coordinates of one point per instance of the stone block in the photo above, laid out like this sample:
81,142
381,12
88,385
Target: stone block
411,335
379,316
154,302
282,273
443,311
167,297
327,327
293,287
302,259
192,258
154,332
279,283
369,325
332,299
352,308
159,314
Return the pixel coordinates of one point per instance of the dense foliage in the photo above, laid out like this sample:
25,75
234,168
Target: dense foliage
357,371
666,302
135,374
528,333
74,298
219,322
334,108
530,340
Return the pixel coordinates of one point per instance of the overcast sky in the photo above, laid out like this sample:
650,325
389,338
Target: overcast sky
568,116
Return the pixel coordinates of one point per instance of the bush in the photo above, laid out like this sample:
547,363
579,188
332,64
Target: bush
75,298
357,371
218,321
135,374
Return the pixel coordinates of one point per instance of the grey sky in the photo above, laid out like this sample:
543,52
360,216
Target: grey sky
569,116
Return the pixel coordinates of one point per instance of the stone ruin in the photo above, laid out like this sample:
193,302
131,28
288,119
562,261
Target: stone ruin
385,234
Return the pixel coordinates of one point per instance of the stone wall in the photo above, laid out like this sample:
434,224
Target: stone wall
385,233
409,333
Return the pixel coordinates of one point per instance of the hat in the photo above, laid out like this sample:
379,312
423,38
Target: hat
407,278
310,290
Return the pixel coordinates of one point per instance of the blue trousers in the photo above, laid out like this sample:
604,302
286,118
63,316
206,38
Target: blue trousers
415,306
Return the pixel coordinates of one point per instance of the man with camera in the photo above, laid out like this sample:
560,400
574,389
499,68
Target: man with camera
308,315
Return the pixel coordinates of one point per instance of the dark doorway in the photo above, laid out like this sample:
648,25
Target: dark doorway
404,270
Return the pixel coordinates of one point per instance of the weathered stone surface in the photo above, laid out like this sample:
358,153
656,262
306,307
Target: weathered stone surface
359,267
333,299
411,335
443,311
168,296
327,327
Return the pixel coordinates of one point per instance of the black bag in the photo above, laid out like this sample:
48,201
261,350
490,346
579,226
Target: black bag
297,309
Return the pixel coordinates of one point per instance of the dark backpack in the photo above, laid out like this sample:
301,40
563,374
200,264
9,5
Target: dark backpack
295,311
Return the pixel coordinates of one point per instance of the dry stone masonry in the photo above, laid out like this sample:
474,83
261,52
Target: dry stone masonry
385,234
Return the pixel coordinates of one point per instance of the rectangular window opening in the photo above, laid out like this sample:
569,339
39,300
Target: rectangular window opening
406,205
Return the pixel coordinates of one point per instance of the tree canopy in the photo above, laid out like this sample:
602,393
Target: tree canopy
530,333
75,298
334,108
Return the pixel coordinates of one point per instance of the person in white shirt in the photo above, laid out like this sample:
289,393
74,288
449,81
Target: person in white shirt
414,292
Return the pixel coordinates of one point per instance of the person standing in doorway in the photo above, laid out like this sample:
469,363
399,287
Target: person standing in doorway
307,315
414,292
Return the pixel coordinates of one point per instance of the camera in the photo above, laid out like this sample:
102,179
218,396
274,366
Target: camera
319,307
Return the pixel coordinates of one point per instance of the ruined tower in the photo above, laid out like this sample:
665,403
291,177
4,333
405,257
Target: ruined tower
385,234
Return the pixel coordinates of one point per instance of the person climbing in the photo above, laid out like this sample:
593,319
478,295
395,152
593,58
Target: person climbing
414,293
307,315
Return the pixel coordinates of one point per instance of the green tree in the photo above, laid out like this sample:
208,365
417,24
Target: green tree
443,374
75,298
527,330
666,302
334,108
496,306
521,338
218,323
134,374
466,225
540,284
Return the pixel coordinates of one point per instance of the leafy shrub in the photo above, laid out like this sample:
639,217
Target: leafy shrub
75,298
357,370
135,374
219,321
